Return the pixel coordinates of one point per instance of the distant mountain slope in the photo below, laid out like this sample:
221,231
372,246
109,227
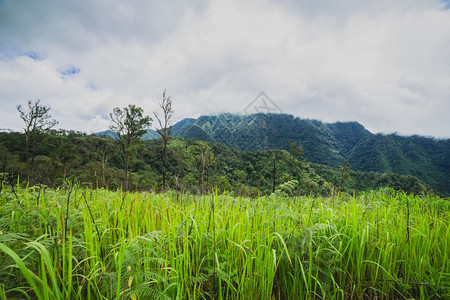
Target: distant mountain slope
348,134
150,135
323,143
182,124
107,134
425,158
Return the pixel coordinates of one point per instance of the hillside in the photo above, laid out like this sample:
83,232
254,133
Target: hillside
328,144
268,131
425,158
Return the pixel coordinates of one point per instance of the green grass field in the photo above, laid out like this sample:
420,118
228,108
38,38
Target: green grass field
80,243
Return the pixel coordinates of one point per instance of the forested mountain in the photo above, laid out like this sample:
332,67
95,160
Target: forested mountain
323,143
425,158
328,144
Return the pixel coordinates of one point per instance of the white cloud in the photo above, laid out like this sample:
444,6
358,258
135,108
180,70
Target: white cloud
97,124
381,63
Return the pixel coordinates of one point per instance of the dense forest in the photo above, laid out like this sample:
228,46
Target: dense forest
192,166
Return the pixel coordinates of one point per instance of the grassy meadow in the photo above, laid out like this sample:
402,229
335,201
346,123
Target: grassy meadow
78,243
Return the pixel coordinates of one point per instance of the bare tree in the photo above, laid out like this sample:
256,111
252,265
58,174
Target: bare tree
129,125
164,130
37,120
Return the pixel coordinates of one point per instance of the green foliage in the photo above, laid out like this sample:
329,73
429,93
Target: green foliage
129,125
267,131
117,245
223,185
286,188
198,167
424,158
344,173
329,144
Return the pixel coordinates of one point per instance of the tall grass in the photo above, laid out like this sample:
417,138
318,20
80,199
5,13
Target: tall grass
95,244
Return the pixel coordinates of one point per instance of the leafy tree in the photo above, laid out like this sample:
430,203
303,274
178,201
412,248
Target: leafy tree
165,130
223,184
177,158
65,155
287,188
207,159
193,163
4,153
37,120
344,173
296,153
199,159
274,172
105,152
240,176
129,125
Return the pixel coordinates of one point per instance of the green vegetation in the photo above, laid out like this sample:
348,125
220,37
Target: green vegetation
230,224
424,158
329,144
129,124
79,243
191,166
198,167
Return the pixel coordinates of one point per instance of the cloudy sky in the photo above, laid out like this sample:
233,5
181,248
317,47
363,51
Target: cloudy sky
384,63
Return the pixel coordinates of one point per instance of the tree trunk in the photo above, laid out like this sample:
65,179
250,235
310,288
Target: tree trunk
164,164
65,172
203,174
5,160
33,154
207,177
274,171
27,154
103,170
126,172
290,168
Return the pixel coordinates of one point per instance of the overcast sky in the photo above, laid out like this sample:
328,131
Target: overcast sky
384,63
